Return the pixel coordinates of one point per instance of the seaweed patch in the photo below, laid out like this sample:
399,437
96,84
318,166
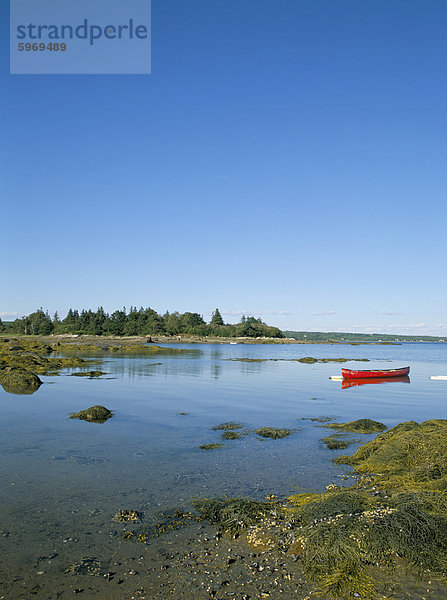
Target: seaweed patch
212,446
345,539
94,414
273,432
359,426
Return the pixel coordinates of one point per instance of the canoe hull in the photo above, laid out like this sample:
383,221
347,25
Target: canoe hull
349,374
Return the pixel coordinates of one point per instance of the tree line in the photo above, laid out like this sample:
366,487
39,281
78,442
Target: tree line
142,321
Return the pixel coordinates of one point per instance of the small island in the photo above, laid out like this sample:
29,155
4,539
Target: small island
139,322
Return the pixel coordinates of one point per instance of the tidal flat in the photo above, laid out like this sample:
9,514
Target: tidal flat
66,480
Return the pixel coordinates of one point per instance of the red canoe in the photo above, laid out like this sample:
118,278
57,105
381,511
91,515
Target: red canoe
349,374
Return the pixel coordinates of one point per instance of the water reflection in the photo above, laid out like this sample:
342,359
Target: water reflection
348,383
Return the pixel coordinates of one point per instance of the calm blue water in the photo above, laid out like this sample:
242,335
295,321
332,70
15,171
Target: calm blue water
56,472
148,435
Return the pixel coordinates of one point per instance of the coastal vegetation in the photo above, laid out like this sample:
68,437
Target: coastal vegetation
231,435
348,539
16,380
212,446
310,360
273,432
358,426
90,374
22,361
94,414
228,426
135,322
338,441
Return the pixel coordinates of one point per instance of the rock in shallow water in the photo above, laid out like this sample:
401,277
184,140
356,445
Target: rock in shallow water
16,380
94,414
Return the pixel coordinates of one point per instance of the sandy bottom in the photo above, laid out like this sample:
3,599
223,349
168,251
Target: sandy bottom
65,552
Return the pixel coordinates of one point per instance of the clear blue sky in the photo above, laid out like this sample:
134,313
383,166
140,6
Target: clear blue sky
285,158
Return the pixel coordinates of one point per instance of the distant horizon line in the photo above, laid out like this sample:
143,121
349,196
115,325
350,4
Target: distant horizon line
339,334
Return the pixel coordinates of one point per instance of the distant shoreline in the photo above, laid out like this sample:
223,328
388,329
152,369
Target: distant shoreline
81,339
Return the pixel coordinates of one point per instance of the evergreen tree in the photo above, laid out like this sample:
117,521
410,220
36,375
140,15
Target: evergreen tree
37,323
216,319
172,323
139,322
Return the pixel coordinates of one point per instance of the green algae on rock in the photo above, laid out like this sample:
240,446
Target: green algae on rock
311,360
358,426
171,521
229,426
213,446
91,374
16,380
397,511
29,355
232,514
231,435
322,419
86,348
273,432
338,441
94,414
348,539
307,359
410,455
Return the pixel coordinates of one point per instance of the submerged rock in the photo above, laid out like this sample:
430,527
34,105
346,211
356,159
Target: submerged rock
86,566
229,426
338,441
273,432
359,426
311,360
308,359
231,435
91,374
213,446
16,380
94,414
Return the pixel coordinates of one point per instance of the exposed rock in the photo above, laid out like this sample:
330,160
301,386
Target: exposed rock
359,426
273,432
91,374
94,414
16,380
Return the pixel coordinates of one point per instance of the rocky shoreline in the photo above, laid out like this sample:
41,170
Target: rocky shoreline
105,341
